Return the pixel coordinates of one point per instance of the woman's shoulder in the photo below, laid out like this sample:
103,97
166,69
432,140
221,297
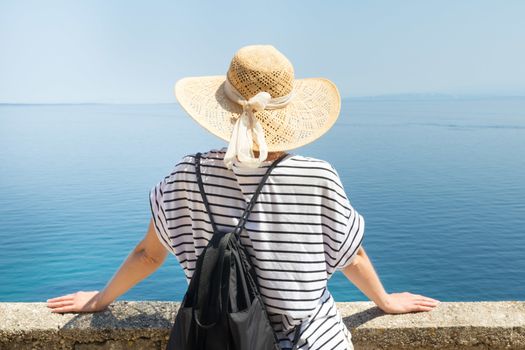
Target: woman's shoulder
311,163
213,155
211,161
310,160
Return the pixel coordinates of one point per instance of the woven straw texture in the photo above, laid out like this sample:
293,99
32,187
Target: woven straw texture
313,109
261,68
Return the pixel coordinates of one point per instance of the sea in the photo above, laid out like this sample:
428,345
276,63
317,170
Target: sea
440,183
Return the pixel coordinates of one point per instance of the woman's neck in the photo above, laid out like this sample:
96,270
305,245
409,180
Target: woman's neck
271,155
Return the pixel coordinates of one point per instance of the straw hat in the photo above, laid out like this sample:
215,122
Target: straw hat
259,105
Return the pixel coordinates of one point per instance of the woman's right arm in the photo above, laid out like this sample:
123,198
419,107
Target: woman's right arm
147,256
362,274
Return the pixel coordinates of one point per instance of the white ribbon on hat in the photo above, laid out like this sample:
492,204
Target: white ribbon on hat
247,126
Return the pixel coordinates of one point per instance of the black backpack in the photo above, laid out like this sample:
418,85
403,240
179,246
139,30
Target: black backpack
222,308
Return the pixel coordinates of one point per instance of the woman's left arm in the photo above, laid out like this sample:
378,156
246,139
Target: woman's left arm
143,260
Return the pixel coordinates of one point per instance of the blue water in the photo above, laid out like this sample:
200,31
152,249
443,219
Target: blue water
441,184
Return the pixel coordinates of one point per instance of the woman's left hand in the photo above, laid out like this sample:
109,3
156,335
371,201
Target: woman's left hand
76,302
399,303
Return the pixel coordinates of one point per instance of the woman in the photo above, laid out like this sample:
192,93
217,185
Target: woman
302,228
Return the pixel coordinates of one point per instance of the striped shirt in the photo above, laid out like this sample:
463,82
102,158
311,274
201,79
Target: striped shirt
300,231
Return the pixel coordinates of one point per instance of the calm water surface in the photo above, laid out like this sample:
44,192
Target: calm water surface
440,183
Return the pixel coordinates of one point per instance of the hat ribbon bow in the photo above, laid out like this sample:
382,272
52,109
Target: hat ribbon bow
247,128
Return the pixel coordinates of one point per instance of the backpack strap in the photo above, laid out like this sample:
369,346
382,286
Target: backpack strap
295,342
201,189
251,204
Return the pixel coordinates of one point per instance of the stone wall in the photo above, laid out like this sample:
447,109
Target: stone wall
134,325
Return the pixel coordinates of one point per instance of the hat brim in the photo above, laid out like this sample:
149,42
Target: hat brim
311,112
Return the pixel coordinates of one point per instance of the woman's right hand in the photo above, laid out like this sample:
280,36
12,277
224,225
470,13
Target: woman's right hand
399,303
76,302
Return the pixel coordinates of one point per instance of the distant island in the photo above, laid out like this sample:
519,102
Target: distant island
382,97
432,96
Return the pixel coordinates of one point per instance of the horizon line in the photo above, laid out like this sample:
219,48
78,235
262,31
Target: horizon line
393,96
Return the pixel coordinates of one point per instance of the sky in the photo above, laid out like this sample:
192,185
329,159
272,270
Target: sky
134,51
